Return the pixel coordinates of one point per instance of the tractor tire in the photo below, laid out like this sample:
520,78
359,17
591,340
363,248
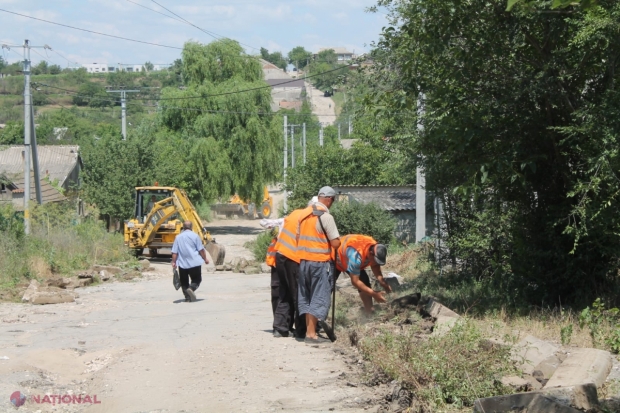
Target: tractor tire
265,210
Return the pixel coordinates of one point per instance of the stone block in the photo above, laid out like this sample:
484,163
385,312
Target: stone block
145,264
265,269
542,404
85,275
520,403
109,268
583,396
516,383
443,324
251,270
531,351
105,275
53,297
219,268
492,344
435,309
582,366
533,383
545,369
32,288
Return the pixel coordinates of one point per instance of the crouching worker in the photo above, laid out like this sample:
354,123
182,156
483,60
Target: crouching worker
357,252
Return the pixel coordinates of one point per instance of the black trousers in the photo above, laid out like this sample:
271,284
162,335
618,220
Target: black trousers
287,312
194,273
275,291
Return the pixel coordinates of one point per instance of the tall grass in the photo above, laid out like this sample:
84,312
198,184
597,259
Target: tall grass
59,244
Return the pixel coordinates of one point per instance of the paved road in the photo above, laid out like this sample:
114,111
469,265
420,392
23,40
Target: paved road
140,348
324,108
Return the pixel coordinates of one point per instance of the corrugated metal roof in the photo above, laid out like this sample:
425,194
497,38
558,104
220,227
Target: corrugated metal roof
390,198
48,192
55,161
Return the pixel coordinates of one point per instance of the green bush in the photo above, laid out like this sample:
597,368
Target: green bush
366,219
259,245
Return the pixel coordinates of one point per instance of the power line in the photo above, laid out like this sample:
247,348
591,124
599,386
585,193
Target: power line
91,31
158,12
212,34
221,94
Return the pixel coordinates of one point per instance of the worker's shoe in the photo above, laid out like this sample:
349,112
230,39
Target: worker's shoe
317,341
278,334
189,293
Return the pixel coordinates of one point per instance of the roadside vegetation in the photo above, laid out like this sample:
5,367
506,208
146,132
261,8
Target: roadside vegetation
60,244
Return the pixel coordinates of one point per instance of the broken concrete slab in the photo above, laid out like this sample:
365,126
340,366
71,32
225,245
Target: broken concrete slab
583,365
443,324
545,369
33,287
145,264
435,309
53,297
105,275
86,275
265,269
531,351
515,382
532,402
583,396
541,404
109,268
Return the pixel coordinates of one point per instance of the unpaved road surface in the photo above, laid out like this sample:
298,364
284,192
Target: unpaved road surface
139,347
324,108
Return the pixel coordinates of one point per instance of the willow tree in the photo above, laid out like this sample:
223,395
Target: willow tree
226,111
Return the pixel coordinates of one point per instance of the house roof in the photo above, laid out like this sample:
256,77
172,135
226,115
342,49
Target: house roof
48,192
389,198
288,83
55,161
337,50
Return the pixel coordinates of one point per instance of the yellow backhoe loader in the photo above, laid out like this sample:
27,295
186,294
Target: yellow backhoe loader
158,218
239,207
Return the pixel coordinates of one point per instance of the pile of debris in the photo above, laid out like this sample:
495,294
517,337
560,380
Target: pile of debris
241,265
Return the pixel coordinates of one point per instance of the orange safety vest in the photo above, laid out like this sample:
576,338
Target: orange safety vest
361,244
313,245
287,240
270,259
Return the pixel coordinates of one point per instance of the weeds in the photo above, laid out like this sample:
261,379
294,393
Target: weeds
603,325
448,371
259,245
58,244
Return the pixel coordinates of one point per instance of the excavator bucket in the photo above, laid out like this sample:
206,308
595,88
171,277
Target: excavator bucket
217,252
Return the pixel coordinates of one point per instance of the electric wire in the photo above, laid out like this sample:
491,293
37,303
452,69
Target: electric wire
212,34
224,93
92,31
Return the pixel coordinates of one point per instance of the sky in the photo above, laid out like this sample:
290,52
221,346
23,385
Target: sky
273,24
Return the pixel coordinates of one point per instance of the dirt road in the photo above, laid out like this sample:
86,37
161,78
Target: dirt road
324,108
138,347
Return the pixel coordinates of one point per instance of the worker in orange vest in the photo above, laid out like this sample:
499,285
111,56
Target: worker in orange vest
287,267
318,234
357,252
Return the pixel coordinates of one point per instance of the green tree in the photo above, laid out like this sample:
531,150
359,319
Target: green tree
3,63
149,66
299,56
55,70
232,128
519,137
40,69
92,94
327,63
276,58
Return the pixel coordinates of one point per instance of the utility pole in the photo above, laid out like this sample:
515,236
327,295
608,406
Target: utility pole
292,145
420,191
321,135
339,132
285,161
350,127
303,137
123,109
30,150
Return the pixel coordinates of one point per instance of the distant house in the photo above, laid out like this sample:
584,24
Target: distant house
400,201
58,163
343,54
286,92
12,190
97,67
